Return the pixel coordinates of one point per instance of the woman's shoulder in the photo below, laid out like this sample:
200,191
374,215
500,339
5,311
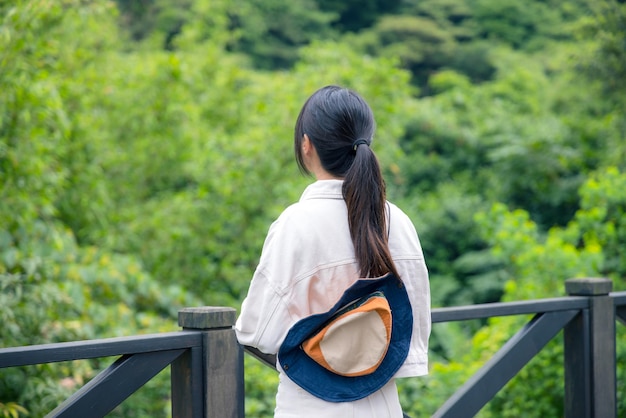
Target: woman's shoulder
293,219
292,213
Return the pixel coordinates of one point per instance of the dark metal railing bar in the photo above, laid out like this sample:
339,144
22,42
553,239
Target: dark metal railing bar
80,350
114,384
488,310
620,313
197,382
577,366
505,364
187,385
266,359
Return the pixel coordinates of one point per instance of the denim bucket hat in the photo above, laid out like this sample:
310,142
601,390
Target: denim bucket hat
355,348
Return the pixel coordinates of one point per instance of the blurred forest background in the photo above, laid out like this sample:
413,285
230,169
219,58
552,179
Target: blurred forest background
146,146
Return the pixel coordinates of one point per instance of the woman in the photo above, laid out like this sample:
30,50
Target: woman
341,230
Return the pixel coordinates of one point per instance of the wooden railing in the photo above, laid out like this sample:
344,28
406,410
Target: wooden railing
207,363
587,318
206,367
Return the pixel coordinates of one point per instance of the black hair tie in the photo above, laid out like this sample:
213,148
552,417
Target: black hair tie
358,142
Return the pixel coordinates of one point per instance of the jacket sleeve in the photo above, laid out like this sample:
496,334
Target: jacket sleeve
261,308
264,319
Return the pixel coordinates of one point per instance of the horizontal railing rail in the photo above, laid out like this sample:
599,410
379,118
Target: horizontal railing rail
90,349
490,310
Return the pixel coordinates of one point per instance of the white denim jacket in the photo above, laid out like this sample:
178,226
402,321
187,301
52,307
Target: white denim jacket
308,261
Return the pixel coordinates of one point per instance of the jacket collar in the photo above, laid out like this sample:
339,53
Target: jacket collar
323,189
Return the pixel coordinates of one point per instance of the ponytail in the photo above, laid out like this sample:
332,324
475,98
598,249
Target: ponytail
365,196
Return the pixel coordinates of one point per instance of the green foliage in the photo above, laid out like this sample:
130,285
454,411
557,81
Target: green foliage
12,410
53,289
602,219
602,58
607,61
516,23
161,17
270,32
516,126
358,14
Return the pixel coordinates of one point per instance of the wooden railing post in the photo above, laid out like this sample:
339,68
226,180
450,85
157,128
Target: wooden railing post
209,383
590,369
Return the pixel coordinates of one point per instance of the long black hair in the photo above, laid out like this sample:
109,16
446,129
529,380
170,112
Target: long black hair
340,125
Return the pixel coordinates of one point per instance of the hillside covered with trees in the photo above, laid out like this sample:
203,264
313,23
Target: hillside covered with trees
145,148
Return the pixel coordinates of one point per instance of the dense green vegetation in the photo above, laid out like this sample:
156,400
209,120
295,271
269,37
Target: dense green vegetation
145,147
